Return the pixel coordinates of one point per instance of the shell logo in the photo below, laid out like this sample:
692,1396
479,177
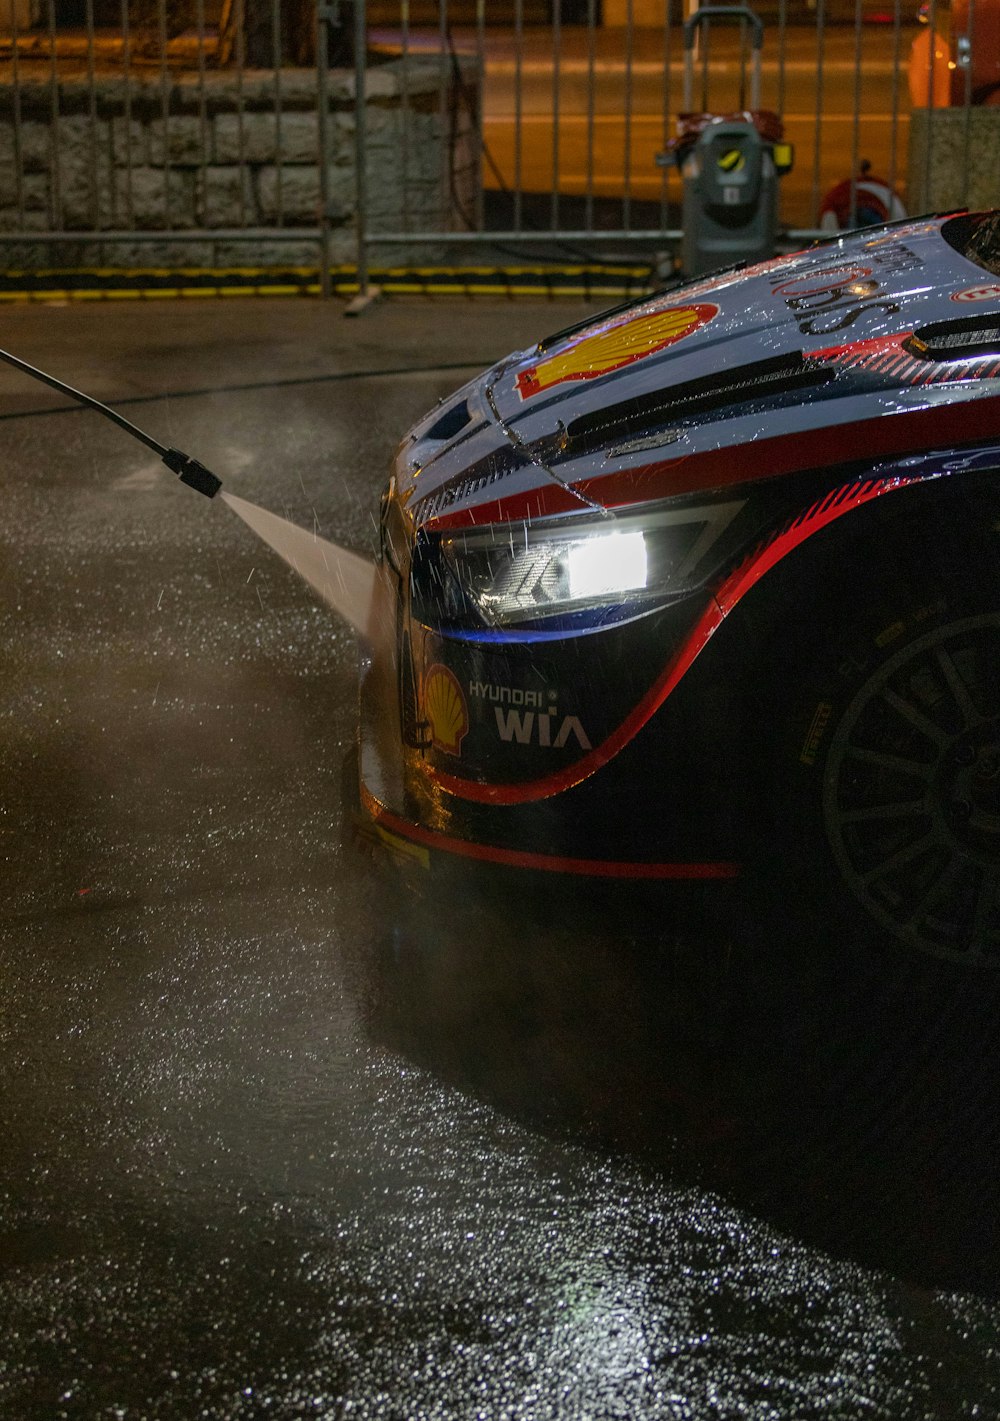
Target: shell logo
614,346
445,709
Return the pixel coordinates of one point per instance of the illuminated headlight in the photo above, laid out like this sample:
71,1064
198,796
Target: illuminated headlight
509,574
514,584
607,563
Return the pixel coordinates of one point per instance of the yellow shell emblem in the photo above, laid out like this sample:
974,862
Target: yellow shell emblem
615,345
445,709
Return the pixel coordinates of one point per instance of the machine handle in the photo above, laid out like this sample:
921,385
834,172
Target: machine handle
702,16
705,13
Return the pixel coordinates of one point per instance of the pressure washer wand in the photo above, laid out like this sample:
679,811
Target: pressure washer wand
189,470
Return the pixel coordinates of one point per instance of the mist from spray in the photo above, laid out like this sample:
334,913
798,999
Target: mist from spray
345,581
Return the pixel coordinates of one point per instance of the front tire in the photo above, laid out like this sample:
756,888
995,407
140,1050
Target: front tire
891,784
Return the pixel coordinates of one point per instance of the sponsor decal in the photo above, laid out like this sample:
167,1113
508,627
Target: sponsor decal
834,297
445,709
532,717
615,345
989,292
540,728
831,278
814,737
507,695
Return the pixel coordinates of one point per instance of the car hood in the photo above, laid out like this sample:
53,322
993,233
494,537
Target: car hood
746,374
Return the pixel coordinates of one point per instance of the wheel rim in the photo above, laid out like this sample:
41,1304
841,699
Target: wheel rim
911,794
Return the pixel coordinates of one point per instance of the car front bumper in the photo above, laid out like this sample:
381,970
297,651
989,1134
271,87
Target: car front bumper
583,755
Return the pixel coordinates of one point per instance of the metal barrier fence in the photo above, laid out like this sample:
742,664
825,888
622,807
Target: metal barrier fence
573,113
208,133
175,134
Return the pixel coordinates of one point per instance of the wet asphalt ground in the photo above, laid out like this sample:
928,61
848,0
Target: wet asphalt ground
278,1140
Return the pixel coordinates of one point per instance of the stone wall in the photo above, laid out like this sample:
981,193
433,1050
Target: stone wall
189,153
961,149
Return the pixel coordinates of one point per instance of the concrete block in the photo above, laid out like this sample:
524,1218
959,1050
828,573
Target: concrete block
297,252
265,138
129,143
215,91
298,89
159,198
79,144
28,143
299,138
220,91
173,254
27,190
179,139
16,219
117,96
226,198
954,159
298,190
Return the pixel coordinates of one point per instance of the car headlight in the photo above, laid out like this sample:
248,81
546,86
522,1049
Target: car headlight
510,574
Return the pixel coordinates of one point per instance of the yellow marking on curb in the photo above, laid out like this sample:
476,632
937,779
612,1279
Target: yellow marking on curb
568,282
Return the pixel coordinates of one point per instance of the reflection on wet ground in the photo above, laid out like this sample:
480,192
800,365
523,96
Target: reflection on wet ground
841,1101
285,1137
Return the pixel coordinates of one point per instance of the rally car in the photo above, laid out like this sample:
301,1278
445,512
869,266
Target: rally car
708,588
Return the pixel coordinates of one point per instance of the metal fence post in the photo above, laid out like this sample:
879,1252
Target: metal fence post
324,17
360,147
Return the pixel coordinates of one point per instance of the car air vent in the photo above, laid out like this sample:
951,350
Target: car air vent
452,422
478,476
783,374
957,340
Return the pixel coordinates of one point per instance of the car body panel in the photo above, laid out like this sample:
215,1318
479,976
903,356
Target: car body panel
796,397
849,314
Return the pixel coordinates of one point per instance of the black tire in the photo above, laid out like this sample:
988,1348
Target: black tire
889,780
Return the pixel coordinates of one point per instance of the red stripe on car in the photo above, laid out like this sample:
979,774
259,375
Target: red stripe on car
548,863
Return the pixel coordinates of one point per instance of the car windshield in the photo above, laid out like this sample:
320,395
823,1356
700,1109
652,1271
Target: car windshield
977,237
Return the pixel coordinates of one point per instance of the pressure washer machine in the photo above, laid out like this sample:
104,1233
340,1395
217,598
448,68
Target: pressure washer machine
730,162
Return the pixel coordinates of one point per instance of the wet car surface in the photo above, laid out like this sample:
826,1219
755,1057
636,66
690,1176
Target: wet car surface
284,1136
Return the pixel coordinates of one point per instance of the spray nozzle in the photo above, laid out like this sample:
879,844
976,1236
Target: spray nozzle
191,472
